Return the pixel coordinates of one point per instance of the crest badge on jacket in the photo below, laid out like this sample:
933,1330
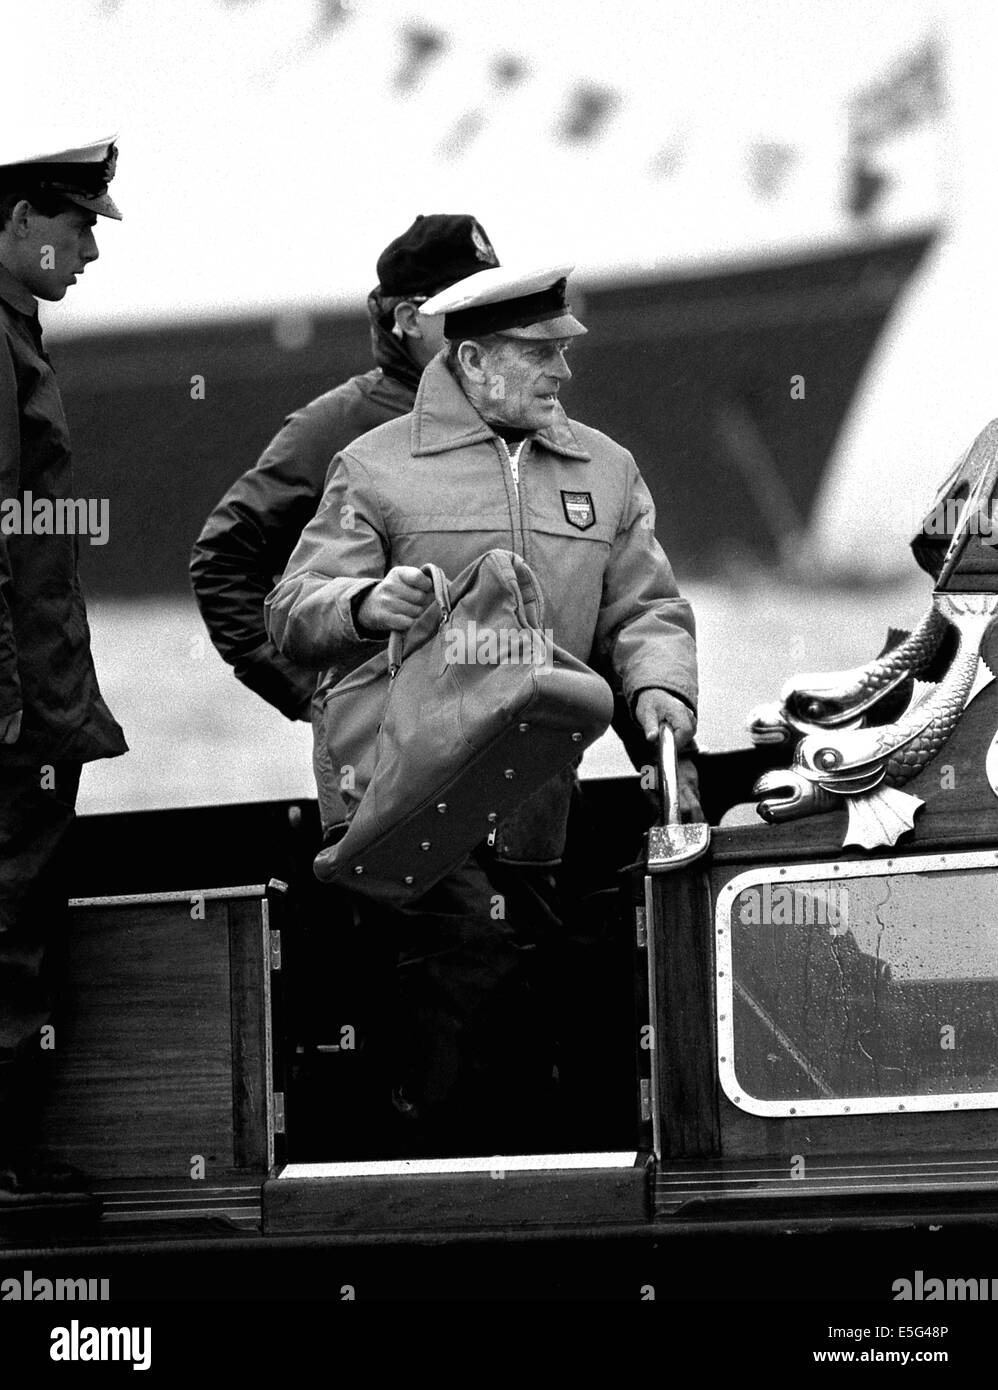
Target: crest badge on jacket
579,509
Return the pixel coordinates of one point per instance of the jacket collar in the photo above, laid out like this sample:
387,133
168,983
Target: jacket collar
17,295
443,418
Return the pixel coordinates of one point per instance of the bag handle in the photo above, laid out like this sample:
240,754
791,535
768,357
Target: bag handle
441,592
526,581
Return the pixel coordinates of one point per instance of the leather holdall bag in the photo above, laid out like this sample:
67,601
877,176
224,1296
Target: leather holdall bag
440,736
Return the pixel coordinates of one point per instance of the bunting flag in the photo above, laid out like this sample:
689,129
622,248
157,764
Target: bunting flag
908,96
590,107
668,160
333,14
508,70
421,45
461,134
770,163
866,186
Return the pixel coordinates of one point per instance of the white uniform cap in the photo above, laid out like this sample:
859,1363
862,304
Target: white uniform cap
510,302
79,174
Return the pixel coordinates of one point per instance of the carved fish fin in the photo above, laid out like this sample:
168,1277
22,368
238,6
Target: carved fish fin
921,690
863,779
895,636
982,680
956,606
881,817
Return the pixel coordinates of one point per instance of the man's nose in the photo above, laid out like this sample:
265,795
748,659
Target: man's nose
560,369
88,248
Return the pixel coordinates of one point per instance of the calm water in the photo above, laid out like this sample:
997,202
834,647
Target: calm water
198,737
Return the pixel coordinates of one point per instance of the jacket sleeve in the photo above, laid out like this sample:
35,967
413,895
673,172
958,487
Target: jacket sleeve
246,543
341,554
645,633
10,482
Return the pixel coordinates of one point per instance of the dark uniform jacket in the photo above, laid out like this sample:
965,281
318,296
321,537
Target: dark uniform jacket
247,540
437,486
46,667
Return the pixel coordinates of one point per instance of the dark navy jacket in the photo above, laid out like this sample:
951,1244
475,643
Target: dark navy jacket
46,668
247,540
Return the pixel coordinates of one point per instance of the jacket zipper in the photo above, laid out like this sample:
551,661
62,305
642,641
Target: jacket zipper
518,526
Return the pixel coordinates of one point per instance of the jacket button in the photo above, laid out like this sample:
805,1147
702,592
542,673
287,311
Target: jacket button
441,806
358,868
576,738
425,845
509,774
408,879
523,728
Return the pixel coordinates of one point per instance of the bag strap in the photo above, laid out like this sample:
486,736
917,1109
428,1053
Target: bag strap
441,592
530,592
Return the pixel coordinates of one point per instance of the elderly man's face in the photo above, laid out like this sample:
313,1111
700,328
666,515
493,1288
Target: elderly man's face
523,378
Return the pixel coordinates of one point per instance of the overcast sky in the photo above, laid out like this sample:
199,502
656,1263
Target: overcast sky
267,154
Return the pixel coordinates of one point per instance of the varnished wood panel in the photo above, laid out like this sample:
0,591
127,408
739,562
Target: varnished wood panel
142,1071
248,979
929,1132
458,1201
684,979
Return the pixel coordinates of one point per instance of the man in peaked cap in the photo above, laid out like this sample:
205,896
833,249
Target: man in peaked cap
80,176
249,536
488,460
52,716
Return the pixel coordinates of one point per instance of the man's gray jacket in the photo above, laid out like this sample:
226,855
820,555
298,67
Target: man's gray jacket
437,486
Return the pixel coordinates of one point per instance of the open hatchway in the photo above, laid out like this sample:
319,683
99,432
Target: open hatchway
353,1164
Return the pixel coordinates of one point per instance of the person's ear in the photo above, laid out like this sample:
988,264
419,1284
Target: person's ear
471,359
407,323
20,216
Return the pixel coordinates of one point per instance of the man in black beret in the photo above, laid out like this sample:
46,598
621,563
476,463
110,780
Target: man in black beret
247,540
52,716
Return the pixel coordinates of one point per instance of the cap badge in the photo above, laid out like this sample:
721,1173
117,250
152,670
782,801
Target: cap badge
482,245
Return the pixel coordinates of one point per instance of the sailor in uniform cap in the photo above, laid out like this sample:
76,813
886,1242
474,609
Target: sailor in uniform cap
488,459
50,203
52,716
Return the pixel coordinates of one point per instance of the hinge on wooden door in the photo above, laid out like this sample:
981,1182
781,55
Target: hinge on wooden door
275,950
645,1099
641,928
278,1112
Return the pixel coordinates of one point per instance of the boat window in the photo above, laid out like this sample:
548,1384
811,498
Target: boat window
859,987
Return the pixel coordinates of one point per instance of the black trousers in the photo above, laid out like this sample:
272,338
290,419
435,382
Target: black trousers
472,1020
37,807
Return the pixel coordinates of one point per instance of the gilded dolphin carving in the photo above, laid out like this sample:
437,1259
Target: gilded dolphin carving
849,699
838,697
858,764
